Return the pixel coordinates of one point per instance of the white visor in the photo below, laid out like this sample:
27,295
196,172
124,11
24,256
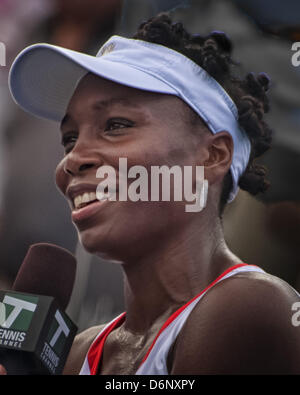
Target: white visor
43,78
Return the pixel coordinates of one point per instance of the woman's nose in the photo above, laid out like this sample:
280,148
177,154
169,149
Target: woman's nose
81,159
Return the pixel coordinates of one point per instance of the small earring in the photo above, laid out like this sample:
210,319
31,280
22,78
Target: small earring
203,194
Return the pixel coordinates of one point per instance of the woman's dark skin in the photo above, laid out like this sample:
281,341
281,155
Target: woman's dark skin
243,324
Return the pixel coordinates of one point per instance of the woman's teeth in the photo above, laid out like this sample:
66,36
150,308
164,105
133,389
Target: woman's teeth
89,197
84,199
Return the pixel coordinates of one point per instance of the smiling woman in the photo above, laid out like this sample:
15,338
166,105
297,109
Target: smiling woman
165,97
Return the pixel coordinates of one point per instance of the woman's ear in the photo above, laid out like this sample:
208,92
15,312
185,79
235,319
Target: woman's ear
220,152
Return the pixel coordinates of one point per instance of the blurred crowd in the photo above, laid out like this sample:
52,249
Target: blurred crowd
263,231
31,208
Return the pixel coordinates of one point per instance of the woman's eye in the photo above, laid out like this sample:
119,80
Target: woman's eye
68,141
117,124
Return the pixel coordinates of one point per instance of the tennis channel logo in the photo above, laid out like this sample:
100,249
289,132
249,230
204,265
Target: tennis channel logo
16,313
56,341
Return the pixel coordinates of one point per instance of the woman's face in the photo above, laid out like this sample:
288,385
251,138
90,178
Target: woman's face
106,121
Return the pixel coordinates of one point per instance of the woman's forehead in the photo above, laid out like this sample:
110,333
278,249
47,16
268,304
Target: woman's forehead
93,85
94,91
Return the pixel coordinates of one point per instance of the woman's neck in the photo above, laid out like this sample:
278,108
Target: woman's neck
172,274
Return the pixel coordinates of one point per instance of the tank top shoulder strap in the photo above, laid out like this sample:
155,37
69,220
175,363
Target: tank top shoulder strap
92,359
155,361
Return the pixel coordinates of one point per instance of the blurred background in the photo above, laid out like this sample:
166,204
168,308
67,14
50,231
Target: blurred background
264,231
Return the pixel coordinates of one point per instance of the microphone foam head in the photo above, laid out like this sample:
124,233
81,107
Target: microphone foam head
47,270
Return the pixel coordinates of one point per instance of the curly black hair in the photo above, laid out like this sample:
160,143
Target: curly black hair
213,53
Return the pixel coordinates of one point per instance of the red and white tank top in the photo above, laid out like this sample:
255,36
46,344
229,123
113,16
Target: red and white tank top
155,360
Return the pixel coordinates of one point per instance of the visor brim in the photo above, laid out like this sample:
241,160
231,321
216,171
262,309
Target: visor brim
43,78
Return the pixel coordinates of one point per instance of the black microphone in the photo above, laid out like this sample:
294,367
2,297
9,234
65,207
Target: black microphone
35,333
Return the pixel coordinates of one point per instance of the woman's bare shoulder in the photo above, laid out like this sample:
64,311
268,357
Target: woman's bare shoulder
80,347
243,325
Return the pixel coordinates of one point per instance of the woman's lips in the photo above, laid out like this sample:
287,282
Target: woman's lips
87,211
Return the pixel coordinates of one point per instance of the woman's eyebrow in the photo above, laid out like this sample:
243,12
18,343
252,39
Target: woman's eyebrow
103,104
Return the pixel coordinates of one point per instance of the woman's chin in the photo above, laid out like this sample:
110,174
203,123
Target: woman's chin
99,245
90,242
